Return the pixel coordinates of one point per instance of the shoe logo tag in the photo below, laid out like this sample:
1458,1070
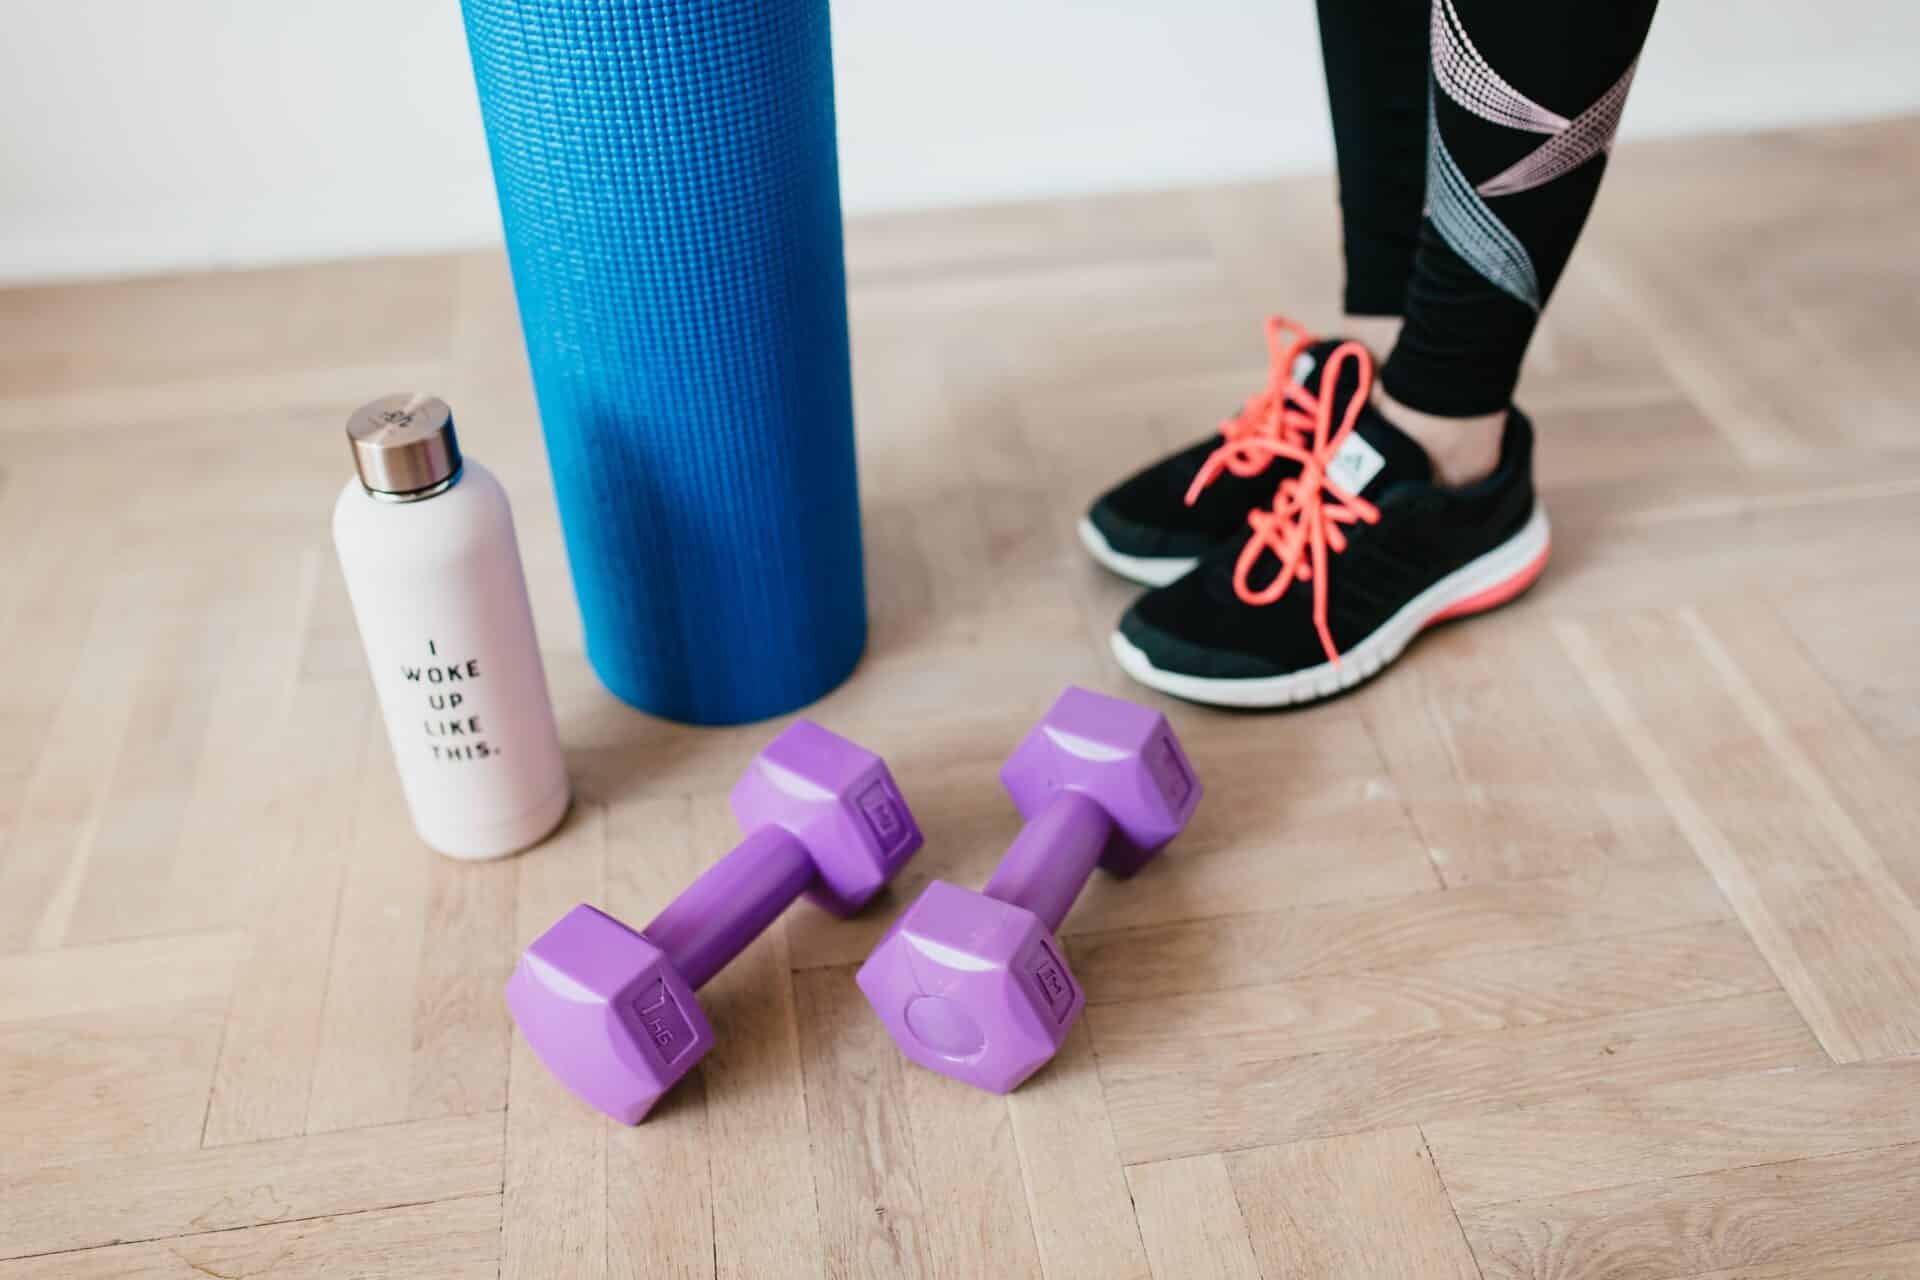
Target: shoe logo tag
1302,367
1355,466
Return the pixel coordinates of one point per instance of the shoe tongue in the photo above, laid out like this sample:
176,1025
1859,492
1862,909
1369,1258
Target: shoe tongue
1311,363
1377,456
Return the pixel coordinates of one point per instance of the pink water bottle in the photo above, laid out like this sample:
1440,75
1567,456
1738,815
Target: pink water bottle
427,545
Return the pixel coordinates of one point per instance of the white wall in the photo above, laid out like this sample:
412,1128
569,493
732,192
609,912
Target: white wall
138,135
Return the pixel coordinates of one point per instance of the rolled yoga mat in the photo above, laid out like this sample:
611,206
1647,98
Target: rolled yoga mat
670,190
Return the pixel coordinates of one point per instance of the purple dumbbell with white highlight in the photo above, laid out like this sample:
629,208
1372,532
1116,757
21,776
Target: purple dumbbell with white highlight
975,985
611,1011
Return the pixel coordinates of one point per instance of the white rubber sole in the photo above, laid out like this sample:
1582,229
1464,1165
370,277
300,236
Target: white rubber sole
1485,583
1148,571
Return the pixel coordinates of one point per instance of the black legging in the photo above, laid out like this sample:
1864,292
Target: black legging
1471,137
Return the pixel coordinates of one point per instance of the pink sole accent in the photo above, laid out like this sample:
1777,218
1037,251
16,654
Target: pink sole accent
1497,594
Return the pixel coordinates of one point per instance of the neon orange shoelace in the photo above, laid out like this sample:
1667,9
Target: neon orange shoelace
1281,412
1309,514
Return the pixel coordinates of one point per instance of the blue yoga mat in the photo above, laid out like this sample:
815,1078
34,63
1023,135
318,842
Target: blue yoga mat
670,189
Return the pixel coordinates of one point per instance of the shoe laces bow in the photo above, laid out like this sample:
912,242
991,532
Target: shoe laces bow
1283,411
1307,521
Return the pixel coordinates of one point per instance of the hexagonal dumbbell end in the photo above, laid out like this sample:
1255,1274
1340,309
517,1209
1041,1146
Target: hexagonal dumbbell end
608,1013
976,985
1120,754
838,799
611,1011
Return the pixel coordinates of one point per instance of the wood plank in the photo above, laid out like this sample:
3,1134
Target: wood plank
1364,1206
150,1197
1798,665
460,1022
1190,1219
1077,1197
48,840
1479,992
1602,900
1894,1262
1253,227
1489,741
141,818
111,976
451,1240
894,247
1861,635
364,1056
127,1082
1186,1111
1855,939
262,1084
1309,818
1597,432
1822,906
972,1186
1034,300
1775,1214
1617,1136
1680,535
759,1150
213,877
1731,337
51,581
330,738
865,1179
148,334
555,1208
660,1206
1591,351
1845,775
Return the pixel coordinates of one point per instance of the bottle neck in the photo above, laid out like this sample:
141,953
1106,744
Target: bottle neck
417,495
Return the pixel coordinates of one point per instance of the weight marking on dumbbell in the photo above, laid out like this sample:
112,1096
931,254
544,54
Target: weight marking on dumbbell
1051,977
881,808
663,1021
1170,772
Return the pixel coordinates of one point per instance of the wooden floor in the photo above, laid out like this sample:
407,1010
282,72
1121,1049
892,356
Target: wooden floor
1585,944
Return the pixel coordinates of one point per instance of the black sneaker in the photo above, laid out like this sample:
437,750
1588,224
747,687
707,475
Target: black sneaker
1358,551
1155,525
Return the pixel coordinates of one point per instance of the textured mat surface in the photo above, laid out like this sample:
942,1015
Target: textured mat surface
669,185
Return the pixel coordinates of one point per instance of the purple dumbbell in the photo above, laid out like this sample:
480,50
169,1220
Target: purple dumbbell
611,1011
975,985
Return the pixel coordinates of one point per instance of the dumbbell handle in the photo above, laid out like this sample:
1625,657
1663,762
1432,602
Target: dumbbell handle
731,904
1048,863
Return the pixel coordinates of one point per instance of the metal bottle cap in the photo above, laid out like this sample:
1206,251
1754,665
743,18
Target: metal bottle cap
404,447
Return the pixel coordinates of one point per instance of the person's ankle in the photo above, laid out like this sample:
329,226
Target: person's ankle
1376,333
1462,450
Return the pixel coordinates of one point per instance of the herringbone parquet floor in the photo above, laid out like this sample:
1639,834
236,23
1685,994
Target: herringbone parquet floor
1585,944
